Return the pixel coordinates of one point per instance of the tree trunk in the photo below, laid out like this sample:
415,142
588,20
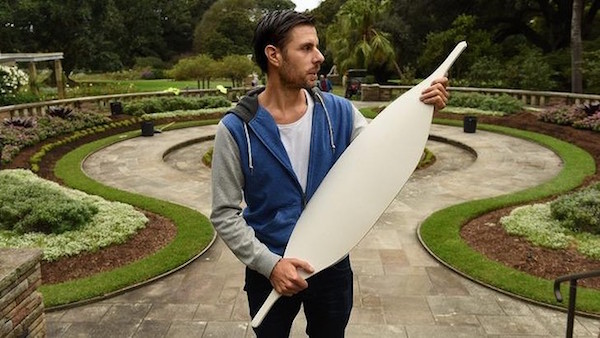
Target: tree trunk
576,48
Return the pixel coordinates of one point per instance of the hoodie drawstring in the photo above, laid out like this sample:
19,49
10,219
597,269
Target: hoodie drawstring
328,121
250,164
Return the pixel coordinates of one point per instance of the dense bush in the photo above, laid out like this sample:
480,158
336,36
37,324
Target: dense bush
503,103
171,103
579,211
38,208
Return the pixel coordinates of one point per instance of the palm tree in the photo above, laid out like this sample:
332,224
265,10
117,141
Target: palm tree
354,40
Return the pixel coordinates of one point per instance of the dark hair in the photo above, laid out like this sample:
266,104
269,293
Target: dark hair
273,29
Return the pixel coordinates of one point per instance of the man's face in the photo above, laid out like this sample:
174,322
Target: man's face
301,58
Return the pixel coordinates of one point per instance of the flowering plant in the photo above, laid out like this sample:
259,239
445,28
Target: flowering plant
11,79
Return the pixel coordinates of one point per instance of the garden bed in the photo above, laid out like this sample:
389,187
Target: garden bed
487,236
158,232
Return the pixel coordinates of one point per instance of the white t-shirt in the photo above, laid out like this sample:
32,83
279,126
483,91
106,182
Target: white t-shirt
295,137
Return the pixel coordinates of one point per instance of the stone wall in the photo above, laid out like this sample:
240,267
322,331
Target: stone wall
21,305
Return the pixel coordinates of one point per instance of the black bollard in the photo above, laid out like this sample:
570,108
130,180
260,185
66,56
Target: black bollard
470,124
148,128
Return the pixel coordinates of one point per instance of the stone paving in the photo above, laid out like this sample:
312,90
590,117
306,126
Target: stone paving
400,290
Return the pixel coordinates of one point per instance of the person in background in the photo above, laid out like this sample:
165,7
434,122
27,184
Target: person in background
272,151
325,83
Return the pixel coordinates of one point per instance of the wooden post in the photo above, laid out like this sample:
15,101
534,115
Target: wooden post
33,78
60,85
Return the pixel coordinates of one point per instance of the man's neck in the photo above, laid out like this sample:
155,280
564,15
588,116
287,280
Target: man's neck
286,105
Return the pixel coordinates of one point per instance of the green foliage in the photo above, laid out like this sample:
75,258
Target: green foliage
535,223
439,44
200,67
356,41
236,67
18,98
226,28
579,211
99,88
28,206
530,70
591,71
207,157
171,103
503,103
151,62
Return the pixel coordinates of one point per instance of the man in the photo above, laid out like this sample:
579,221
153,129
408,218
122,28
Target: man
272,151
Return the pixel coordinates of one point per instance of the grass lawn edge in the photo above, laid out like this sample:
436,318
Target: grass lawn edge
194,232
439,233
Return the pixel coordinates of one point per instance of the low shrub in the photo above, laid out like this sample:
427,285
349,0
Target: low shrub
563,115
590,122
503,103
112,223
535,223
18,133
585,116
171,103
18,98
28,207
579,211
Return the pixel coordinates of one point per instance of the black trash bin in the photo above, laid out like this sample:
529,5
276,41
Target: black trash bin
116,108
147,128
470,124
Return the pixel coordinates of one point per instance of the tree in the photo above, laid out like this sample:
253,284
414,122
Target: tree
439,44
356,42
227,27
199,68
226,23
576,48
237,67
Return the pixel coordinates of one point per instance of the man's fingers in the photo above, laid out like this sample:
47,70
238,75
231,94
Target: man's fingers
298,263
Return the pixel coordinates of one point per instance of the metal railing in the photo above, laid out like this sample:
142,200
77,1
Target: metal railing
572,279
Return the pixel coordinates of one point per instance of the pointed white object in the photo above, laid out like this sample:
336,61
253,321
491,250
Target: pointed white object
363,182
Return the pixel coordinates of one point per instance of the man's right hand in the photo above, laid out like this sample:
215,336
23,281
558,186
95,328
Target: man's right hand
285,278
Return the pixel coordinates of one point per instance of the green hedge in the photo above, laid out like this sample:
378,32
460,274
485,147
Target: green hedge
171,103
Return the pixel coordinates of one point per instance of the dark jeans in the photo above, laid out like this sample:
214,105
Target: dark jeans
327,303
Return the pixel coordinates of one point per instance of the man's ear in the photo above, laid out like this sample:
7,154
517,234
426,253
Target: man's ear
273,54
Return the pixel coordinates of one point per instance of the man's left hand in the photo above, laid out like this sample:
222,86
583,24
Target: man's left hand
436,94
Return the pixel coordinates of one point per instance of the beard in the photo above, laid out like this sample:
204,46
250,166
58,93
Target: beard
292,77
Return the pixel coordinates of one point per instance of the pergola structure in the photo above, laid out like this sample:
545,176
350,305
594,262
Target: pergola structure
32,58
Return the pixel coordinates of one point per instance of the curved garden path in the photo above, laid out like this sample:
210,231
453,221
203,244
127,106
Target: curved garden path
400,291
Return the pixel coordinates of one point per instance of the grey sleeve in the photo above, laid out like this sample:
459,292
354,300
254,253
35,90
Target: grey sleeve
226,215
359,122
